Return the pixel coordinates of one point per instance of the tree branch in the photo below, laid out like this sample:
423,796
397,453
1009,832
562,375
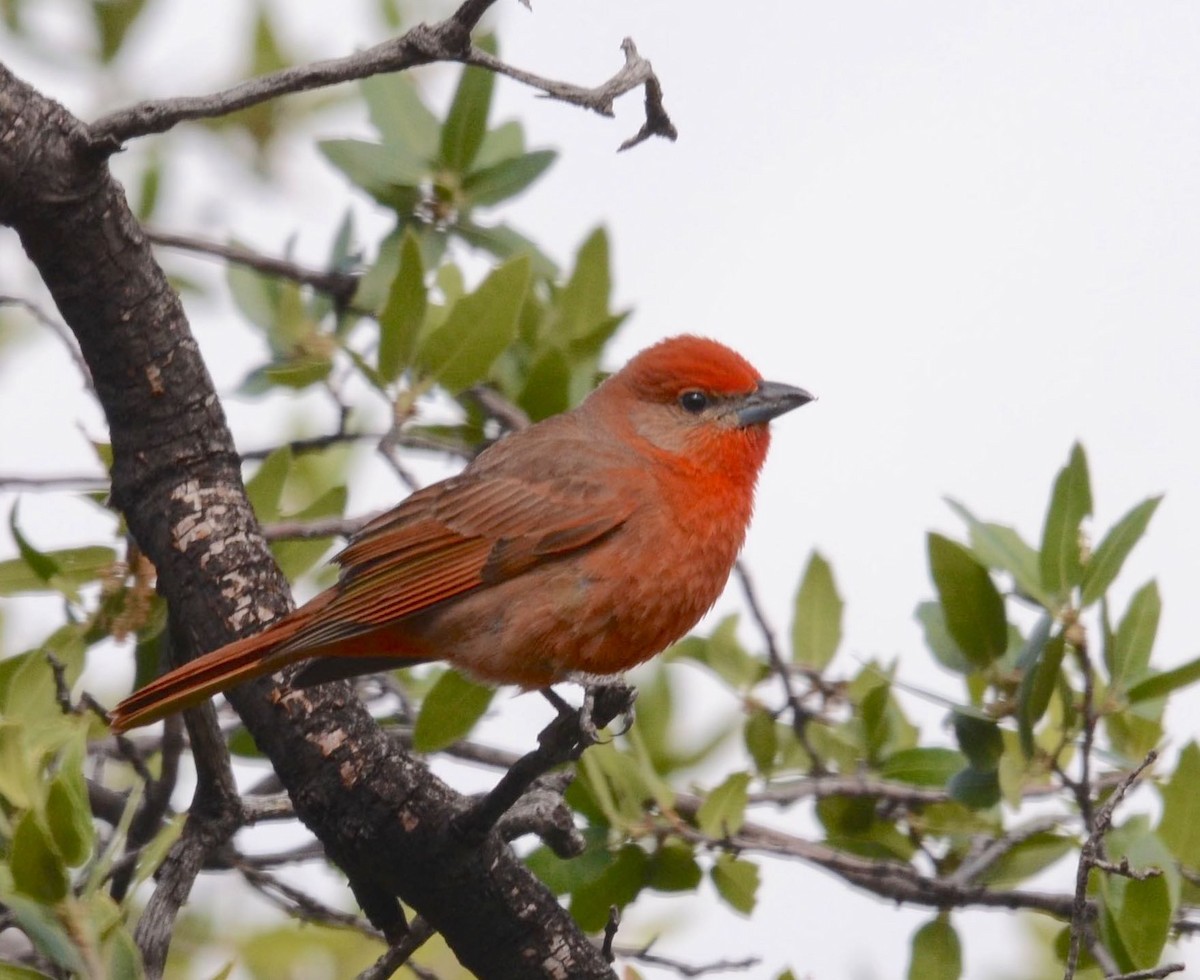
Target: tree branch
447,40
339,286
599,99
381,816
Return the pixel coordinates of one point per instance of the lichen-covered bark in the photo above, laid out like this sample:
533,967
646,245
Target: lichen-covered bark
379,813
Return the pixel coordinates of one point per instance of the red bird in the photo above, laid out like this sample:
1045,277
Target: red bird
582,545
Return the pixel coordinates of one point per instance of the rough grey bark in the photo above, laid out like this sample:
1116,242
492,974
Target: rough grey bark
382,817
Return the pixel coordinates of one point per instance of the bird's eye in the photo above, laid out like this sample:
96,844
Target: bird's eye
693,401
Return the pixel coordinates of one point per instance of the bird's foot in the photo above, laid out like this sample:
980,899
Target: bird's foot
602,704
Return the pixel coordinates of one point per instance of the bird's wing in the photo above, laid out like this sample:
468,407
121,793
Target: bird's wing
454,537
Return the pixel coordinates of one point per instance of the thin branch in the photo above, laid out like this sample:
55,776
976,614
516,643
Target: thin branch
800,714
448,40
563,740
300,905
340,286
312,444
306,530
58,328
890,879
976,864
1090,856
599,99
419,933
687,969
53,483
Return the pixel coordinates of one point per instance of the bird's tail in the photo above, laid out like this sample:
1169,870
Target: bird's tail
232,664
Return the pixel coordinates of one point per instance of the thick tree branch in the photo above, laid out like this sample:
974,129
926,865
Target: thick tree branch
382,817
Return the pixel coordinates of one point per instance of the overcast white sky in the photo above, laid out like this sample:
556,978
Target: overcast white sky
972,228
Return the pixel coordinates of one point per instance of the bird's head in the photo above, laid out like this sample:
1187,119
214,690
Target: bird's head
696,398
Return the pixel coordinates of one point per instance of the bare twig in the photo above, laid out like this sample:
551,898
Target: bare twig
300,905
324,527
64,482
447,40
636,71
894,880
313,444
1091,856
339,286
687,969
800,714
511,417
993,850
610,932
419,932
58,328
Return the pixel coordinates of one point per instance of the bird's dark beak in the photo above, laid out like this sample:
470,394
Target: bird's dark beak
770,400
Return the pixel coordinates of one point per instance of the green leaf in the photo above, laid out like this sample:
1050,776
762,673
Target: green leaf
936,952
481,325
547,389
1179,829
113,21
722,654
403,311
922,767
582,303
68,813
981,741
75,567
618,884
761,738
938,639
298,556
1140,914
1160,685
37,868
673,867
1070,503
1027,858
450,710
1037,686
466,123
505,242
1135,635
265,488
46,932
563,875
737,882
817,616
254,294
397,111
502,143
506,179
41,564
9,971
723,810
977,788
124,959
1106,561
973,608
381,170
1002,548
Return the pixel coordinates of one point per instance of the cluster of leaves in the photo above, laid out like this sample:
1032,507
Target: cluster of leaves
1030,697
413,326
55,868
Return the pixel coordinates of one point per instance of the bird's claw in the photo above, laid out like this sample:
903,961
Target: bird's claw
602,704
